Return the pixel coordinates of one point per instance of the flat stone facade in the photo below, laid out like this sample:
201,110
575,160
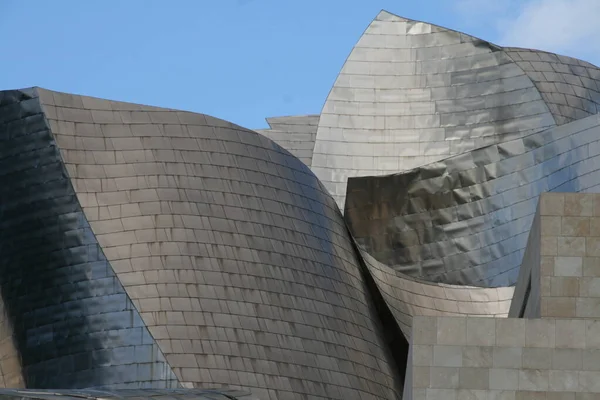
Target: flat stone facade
494,358
560,275
549,347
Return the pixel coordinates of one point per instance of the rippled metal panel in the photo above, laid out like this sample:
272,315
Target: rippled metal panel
128,394
295,134
68,322
465,220
411,93
569,86
235,255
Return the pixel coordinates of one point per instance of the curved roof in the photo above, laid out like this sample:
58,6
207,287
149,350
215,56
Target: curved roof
569,86
296,134
411,93
214,256
235,255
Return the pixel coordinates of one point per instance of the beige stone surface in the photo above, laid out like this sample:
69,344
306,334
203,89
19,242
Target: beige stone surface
554,352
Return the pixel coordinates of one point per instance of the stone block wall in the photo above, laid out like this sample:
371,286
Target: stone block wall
563,281
549,347
457,358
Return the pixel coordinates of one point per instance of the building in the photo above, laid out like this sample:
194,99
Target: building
150,252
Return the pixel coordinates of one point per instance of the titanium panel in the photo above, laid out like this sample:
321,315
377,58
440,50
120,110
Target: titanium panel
407,297
412,93
125,394
570,87
68,322
235,255
296,134
465,220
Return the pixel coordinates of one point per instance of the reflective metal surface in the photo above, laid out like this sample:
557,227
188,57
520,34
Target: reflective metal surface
465,220
236,257
567,85
407,297
411,93
295,134
128,394
152,248
67,321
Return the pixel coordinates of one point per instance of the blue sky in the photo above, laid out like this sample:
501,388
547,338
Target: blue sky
244,60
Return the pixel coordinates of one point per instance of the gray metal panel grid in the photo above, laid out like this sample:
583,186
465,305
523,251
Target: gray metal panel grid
235,255
570,87
465,220
411,93
124,394
407,297
71,322
296,134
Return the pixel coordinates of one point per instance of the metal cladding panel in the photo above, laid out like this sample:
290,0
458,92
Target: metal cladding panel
570,87
407,297
295,134
465,220
125,394
412,93
67,321
235,255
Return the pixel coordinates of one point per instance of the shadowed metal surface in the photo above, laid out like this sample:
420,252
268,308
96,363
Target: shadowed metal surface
570,87
465,220
296,134
235,255
71,323
129,394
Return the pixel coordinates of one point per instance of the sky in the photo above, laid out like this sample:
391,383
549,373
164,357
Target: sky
244,60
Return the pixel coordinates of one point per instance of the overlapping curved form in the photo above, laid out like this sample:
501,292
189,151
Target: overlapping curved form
570,87
235,256
465,220
296,134
152,248
68,322
407,297
411,93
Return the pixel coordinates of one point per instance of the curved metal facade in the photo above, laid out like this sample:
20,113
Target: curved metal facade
465,220
568,86
71,323
411,93
407,297
218,247
144,247
296,134
187,394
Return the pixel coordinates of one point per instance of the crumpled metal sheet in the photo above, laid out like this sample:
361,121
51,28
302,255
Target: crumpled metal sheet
412,93
465,220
